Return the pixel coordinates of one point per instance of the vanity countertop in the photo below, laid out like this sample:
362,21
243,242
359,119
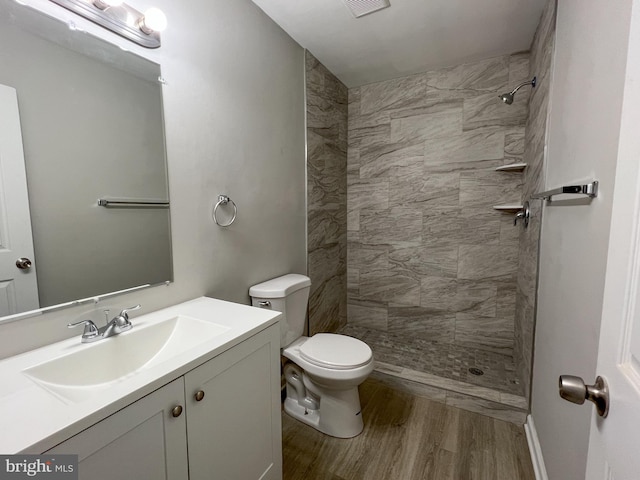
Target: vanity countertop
35,418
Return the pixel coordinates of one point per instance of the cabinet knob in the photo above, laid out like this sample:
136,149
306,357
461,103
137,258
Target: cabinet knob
176,411
199,395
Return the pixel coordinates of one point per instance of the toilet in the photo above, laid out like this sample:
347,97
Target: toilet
325,370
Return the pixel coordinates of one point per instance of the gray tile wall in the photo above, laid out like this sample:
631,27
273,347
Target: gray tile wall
535,140
326,197
428,257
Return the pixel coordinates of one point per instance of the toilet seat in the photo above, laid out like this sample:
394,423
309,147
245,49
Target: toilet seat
334,351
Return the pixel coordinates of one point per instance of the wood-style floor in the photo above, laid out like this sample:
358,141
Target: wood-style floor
408,438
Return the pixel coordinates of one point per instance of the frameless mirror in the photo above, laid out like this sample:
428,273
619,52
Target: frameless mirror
90,119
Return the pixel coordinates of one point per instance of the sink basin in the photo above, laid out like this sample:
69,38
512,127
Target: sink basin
78,376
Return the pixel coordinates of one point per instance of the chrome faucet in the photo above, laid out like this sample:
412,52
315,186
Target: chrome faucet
116,325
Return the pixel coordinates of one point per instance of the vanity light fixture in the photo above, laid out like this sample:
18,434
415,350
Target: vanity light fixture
153,20
143,29
104,4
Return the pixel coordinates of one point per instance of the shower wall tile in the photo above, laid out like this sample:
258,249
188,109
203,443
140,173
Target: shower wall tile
327,315
383,283
439,293
420,322
397,226
534,155
477,298
486,110
468,80
438,261
410,186
506,301
479,226
509,233
368,316
325,227
465,151
514,145
490,333
378,157
327,106
519,69
367,258
440,120
392,94
353,283
485,189
368,193
425,246
480,262
393,288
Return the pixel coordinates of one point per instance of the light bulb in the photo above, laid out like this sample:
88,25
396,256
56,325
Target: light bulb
154,20
104,4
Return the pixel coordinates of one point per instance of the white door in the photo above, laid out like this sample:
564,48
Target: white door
614,444
18,287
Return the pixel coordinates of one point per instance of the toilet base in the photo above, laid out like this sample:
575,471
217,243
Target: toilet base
338,414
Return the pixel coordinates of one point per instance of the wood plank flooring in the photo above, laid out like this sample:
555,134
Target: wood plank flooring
408,438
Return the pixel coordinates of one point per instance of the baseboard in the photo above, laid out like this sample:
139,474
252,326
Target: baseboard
534,449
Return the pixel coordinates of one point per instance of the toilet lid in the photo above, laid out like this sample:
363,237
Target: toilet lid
335,351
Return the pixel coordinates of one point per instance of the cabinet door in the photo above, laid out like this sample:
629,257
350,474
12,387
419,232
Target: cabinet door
234,431
141,441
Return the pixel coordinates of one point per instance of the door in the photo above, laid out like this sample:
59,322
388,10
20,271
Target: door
146,440
614,440
18,286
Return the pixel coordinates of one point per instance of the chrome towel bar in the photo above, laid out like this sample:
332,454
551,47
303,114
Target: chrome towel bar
588,189
122,203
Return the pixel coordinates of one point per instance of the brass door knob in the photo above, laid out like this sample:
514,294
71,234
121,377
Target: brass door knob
176,411
199,395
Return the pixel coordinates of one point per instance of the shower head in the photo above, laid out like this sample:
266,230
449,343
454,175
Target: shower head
508,97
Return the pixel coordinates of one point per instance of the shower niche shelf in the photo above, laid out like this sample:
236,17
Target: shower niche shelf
508,208
514,167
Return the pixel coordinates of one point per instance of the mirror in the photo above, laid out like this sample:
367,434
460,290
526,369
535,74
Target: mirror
91,121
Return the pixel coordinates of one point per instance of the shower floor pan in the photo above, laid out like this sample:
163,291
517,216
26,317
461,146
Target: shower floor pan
442,372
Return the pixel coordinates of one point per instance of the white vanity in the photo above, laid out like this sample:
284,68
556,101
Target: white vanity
190,392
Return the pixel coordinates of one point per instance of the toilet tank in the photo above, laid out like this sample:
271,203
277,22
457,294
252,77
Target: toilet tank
287,294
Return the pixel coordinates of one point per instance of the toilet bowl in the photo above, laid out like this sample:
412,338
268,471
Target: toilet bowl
325,370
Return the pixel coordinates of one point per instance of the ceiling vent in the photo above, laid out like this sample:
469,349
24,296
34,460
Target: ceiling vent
360,8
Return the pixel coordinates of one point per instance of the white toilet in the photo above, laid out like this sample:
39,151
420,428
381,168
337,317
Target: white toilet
322,381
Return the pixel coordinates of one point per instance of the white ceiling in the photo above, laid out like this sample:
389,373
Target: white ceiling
409,37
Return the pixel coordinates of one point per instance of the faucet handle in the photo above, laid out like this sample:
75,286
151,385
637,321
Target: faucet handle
125,311
90,329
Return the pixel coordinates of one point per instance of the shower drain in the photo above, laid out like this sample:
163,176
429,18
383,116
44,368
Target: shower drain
475,371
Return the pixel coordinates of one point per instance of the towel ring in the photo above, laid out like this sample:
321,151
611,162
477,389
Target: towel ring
224,200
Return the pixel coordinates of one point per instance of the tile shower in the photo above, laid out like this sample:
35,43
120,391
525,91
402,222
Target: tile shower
437,281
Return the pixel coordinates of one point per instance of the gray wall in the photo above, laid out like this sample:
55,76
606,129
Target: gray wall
89,130
428,257
327,197
534,152
584,125
234,112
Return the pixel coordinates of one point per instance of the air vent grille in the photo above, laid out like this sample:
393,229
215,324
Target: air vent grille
360,8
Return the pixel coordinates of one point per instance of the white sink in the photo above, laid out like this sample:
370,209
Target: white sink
97,366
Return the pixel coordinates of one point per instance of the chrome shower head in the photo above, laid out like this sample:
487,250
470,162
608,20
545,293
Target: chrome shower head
508,97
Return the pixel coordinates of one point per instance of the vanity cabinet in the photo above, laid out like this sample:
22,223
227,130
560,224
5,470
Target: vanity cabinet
220,420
